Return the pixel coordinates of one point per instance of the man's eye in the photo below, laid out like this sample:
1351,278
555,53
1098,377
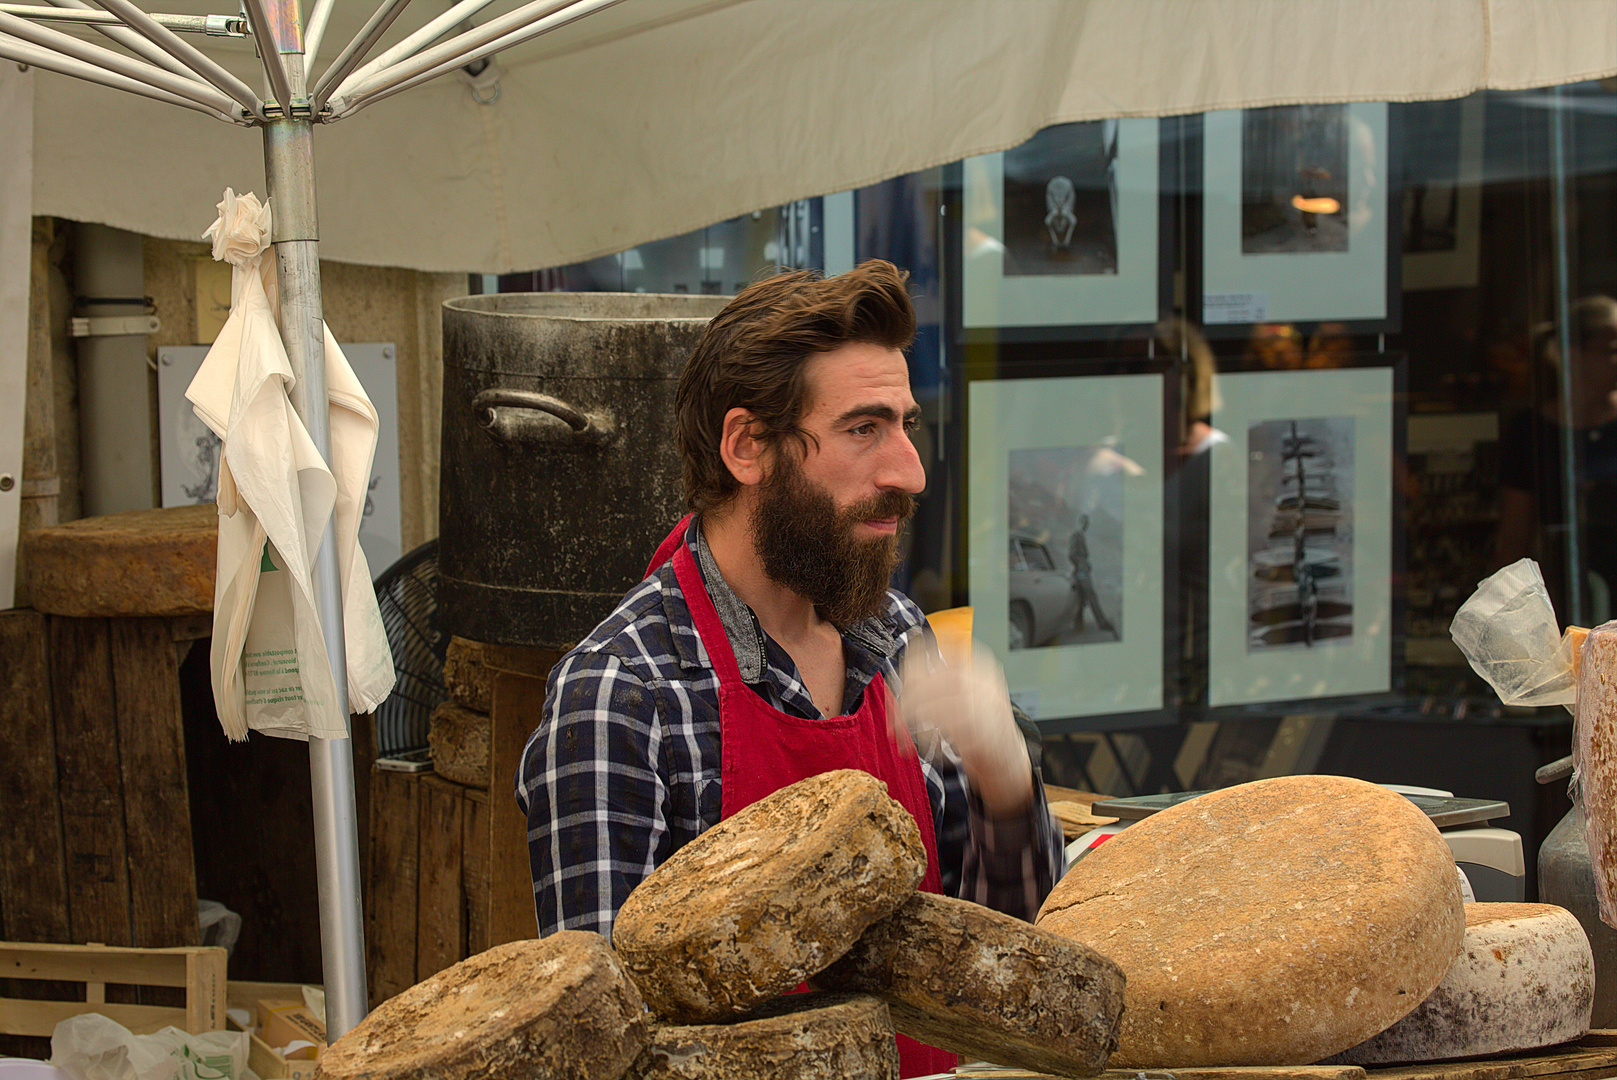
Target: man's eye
911,423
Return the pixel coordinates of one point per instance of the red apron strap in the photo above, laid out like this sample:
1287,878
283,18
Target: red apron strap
670,544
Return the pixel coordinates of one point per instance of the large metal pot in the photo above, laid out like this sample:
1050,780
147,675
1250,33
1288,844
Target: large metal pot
559,471
1566,879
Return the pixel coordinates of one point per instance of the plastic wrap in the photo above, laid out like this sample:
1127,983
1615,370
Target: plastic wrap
1509,634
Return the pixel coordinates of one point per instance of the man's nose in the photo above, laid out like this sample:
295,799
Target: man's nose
903,468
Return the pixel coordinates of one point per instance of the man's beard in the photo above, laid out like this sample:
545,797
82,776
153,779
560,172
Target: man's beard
807,545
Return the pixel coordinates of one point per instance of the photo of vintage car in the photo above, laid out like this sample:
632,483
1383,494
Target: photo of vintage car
1041,596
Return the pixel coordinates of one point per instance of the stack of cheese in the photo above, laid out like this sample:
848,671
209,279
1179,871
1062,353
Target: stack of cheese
1289,920
816,882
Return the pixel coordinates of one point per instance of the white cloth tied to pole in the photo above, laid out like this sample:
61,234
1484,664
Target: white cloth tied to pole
271,668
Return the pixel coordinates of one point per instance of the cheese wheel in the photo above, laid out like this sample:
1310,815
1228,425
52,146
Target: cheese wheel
1594,752
821,1036
1274,923
559,1007
769,896
1525,980
137,562
987,986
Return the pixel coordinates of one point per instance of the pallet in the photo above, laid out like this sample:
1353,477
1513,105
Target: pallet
95,827
448,874
199,969
1594,1057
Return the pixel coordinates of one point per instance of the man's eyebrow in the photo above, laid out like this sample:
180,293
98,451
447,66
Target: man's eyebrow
878,412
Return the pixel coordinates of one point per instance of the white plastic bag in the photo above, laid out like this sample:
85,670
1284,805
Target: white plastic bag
1509,633
271,671
91,1046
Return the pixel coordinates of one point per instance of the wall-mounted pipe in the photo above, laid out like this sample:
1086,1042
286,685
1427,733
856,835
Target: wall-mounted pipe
115,383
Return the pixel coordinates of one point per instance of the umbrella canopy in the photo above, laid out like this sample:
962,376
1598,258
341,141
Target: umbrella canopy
650,118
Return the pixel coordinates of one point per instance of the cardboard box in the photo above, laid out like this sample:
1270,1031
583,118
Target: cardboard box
282,1022
261,1056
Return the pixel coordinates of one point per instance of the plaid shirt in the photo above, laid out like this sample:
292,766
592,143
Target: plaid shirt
624,767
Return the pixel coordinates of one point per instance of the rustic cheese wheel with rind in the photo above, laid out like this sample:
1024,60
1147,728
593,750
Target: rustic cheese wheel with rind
1525,980
988,986
1594,751
1273,923
818,1036
557,1008
769,896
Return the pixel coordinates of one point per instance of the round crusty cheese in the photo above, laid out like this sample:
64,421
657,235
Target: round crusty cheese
557,1008
817,1036
1524,980
769,896
988,986
1273,923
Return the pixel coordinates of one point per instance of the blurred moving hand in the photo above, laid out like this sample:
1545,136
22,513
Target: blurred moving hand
968,704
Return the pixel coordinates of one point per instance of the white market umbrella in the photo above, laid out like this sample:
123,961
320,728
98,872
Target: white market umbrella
650,118
600,124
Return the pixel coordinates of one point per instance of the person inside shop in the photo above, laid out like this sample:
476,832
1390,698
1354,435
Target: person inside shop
1083,582
768,606
1533,518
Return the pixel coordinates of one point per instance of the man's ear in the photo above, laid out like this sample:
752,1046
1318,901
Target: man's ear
743,453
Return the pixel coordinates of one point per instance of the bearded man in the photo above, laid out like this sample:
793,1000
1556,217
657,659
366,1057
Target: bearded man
764,645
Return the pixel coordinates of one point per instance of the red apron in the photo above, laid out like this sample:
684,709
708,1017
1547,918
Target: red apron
765,750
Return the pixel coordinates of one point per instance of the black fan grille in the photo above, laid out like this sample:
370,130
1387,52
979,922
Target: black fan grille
407,594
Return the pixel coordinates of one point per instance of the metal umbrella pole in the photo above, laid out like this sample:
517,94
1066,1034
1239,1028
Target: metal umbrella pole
171,71
289,173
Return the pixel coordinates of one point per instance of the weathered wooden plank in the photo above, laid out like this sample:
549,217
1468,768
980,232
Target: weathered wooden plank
33,859
1546,1063
157,807
91,781
39,1018
518,704
474,869
440,901
390,899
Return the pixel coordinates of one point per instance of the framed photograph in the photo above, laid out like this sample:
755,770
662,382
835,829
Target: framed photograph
1062,230
1295,216
1442,193
1065,541
1300,600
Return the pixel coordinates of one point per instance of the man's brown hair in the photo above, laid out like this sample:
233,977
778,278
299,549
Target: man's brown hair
753,354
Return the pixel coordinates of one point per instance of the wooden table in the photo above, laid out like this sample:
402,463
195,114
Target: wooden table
1592,1058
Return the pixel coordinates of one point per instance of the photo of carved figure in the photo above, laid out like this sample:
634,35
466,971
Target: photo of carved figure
1060,201
1299,532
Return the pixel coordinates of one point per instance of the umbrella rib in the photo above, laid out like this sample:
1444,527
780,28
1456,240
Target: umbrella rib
269,51
23,53
513,28
129,39
315,33
355,51
456,15
185,53
53,41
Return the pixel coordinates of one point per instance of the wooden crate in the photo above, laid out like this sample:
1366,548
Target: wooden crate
200,970
95,827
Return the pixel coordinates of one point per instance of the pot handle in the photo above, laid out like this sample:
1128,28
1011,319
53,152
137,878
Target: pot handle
509,416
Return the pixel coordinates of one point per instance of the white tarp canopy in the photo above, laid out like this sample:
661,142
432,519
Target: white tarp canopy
655,117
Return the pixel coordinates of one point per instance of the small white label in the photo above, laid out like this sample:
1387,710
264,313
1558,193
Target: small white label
1235,307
